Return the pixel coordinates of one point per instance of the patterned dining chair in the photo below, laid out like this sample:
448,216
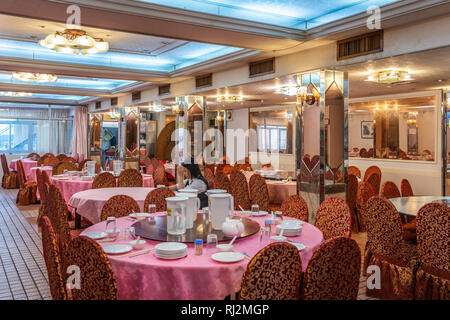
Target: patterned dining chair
433,276
351,199
45,177
220,167
10,179
98,280
211,166
51,161
119,206
149,168
245,167
27,192
333,272
158,197
295,207
48,154
222,182
104,180
160,176
33,155
65,165
406,188
228,169
363,153
41,160
69,159
259,193
130,178
386,248
374,179
52,259
389,190
370,170
334,218
209,176
355,171
61,157
42,195
274,273
239,189
82,164
364,193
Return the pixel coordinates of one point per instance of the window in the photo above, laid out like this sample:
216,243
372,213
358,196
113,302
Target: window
17,136
272,139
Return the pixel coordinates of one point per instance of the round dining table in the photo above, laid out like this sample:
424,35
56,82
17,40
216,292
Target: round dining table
32,176
146,277
409,206
278,189
27,165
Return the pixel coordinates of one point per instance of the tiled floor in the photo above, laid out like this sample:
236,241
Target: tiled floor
22,267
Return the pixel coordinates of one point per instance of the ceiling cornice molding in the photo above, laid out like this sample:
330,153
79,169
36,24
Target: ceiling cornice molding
4,86
39,101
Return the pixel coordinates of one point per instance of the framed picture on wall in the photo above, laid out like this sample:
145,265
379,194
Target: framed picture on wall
367,130
229,115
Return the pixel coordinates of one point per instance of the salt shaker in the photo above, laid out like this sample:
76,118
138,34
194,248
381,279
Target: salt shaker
268,225
198,247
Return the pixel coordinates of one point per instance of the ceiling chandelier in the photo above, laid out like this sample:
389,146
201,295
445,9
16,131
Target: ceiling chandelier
15,94
292,90
229,99
74,41
37,77
389,76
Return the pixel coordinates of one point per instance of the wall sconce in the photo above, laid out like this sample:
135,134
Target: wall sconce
175,109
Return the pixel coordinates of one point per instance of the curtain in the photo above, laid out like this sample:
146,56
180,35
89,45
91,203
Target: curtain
79,132
43,136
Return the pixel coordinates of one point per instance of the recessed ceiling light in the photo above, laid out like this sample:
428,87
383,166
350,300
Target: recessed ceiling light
440,80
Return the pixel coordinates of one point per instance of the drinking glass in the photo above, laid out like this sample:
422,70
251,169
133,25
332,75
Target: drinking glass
111,220
279,215
152,211
255,209
264,236
211,243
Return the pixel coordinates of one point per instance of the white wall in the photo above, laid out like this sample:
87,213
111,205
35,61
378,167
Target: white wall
354,131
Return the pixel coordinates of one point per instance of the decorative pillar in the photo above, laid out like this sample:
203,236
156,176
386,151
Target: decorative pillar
321,136
95,137
129,137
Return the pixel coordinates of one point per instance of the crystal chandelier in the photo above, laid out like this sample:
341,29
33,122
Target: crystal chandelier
389,76
74,41
15,94
37,77
229,99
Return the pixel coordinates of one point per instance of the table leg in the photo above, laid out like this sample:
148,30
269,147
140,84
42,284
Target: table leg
77,220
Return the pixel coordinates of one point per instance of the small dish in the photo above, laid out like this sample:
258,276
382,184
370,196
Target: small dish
140,215
94,235
117,248
278,238
224,247
260,213
137,245
227,257
112,233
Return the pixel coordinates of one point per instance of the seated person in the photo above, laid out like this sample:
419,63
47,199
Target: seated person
195,180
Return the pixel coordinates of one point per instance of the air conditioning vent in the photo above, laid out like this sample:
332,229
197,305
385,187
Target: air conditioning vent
203,81
361,45
114,101
262,67
135,96
164,89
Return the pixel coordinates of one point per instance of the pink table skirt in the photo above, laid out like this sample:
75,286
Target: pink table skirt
146,277
89,203
69,187
32,176
279,191
27,165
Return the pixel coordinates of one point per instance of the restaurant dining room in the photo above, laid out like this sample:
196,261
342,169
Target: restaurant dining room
226,151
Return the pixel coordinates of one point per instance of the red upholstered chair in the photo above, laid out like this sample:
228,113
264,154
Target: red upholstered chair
374,179
10,178
355,171
61,156
389,190
351,199
245,167
211,166
51,161
433,275
371,170
219,167
209,176
69,159
104,180
364,193
42,195
64,165
27,192
239,189
119,206
386,248
45,177
97,277
274,273
52,259
33,155
363,153
159,175
222,182
295,207
333,272
158,197
228,169
149,168
334,218
406,188
130,178
48,154
259,192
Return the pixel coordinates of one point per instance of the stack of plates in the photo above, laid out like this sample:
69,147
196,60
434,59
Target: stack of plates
170,250
291,228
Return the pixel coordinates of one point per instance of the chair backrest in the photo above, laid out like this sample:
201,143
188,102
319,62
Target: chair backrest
274,273
406,188
239,189
371,170
52,259
82,164
363,153
149,168
245,167
21,174
352,191
60,167
45,177
433,225
119,206
334,218
333,271
209,177
40,186
51,161
41,160
48,154
61,157
355,171
211,166
5,168
158,197
364,193
374,179
58,214
389,190
384,229
295,207
130,178
97,277
259,192
159,175
33,155
69,159
104,180
228,169
222,182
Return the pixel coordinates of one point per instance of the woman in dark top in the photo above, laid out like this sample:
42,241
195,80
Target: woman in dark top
197,182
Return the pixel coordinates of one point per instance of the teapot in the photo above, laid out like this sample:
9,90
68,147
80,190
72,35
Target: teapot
232,227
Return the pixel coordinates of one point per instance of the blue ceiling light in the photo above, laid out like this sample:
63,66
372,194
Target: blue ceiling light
296,14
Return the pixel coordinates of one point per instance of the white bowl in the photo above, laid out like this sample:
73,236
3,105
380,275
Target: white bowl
137,245
224,247
278,238
112,233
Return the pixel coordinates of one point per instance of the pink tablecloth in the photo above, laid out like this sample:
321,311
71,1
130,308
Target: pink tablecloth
32,176
69,187
27,165
89,203
278,190
146,277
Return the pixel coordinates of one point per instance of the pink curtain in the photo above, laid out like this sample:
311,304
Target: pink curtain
79,132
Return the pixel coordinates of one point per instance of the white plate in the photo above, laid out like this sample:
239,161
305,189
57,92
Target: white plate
260,213
300,246
146,175
117,248
94,235
138,215
171,257
61,178
170,247
227,257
